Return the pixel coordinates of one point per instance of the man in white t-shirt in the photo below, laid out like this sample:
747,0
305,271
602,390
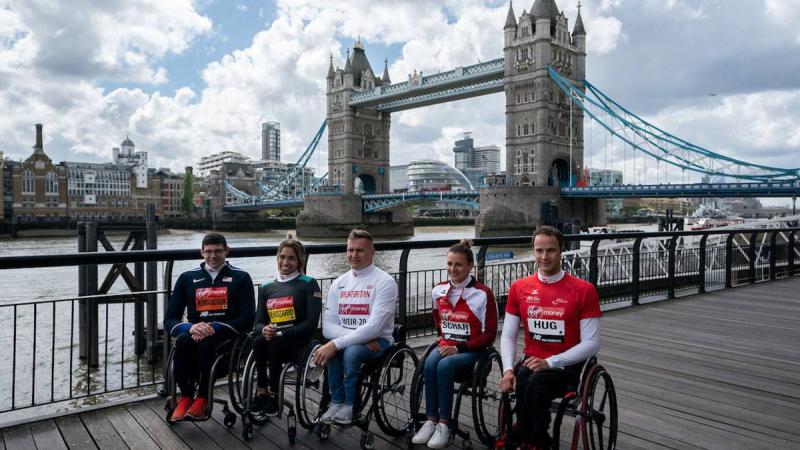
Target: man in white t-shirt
359,321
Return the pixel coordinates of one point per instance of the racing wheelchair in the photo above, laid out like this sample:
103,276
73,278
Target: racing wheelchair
225,363
593,404
246,386
384,390
481,384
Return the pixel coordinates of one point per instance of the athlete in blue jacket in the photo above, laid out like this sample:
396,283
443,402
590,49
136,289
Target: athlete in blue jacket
219,304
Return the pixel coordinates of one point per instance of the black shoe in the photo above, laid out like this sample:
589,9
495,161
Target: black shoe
271,405
259,404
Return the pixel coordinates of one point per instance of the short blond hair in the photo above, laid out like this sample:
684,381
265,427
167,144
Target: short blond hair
357,233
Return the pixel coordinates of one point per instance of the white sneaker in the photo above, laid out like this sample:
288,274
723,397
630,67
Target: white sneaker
424,434
332,410
344,416
440,438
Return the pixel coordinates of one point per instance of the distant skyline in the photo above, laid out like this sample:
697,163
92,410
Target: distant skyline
188,78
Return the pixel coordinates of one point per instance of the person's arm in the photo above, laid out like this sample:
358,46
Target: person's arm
586,348
508,341
313,298
382,311
262,318
489,333
246,307
173,319
331,329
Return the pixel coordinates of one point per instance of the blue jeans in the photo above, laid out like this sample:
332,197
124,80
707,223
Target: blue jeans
345,367
439,372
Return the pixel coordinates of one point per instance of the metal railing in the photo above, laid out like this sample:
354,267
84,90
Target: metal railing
45,363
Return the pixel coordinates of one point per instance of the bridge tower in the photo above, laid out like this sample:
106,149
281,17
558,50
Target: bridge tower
358,138
544,133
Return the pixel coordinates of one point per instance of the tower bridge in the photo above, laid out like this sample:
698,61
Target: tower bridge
547,99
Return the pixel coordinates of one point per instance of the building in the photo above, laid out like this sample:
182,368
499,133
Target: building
240,175
606,177
6,188
544,134
398,178
171,192
39,186
476,162
271,140
216,160
127,155
271,172
430,175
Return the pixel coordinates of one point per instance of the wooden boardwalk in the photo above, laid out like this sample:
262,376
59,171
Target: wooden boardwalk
716,371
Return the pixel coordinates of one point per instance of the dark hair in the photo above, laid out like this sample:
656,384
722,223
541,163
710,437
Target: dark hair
214,239
299,251
547,230
360,234
463,247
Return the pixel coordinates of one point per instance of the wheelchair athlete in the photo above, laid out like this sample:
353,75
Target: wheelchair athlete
219,304
359,321
561,318
465,315
288,313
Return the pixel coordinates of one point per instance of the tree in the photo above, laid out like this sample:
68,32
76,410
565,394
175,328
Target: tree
187,201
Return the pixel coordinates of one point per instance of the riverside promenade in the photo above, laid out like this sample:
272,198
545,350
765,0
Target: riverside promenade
711,371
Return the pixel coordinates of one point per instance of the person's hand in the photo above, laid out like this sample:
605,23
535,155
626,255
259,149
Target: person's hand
269,331
447,350
325,353
509,382
200,331
536,364
373,346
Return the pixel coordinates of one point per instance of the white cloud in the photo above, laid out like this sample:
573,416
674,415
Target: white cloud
785,13
241,7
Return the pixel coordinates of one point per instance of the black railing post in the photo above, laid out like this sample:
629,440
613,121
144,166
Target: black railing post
790,254
151,280
701,265
671,266
635,271
594,269
140,340
402,289
773,255
751,254
729,261
91,331
165,346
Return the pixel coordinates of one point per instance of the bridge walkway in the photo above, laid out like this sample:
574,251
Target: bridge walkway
712,371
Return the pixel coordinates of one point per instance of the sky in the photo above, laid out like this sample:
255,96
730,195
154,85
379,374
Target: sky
188,78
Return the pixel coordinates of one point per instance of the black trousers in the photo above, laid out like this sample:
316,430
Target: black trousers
276,351
535,393
193,360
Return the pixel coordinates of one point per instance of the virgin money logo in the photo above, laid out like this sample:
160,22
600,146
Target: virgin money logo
354,309
538,312
535,312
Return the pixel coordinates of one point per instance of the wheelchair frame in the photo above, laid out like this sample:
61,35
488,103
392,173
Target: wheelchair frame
474,387
371,390
580,404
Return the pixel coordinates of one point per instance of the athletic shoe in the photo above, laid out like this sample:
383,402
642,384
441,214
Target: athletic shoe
344,416
425,432
179,413
198,410
258,404
271,405
331,412
440,438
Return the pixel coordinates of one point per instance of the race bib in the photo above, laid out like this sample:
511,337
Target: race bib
281,310
546,324
353,315
213,299
455,331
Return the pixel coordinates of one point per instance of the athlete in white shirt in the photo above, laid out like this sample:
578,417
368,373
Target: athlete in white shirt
359,320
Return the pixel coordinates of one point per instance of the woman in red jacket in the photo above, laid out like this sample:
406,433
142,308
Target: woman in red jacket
465,314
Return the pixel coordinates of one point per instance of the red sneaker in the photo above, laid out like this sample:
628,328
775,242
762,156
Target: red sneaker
199,409
179,413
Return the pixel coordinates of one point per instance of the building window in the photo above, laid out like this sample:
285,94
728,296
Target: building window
51,183
28,182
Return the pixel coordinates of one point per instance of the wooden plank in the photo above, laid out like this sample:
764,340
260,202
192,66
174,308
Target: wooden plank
129,429
19,438
156,427
74,433
101,430
190,434
46,435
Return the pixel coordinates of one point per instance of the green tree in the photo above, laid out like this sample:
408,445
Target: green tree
187,201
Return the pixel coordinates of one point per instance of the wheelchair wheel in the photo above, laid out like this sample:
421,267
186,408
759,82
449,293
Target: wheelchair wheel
309,388
566,406
601,410
171,388
486,396
505,423
236,369
394,390
249,390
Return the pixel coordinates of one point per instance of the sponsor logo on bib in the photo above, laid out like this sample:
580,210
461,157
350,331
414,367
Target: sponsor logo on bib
546,324
281,309
214,299
455,326
353,315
